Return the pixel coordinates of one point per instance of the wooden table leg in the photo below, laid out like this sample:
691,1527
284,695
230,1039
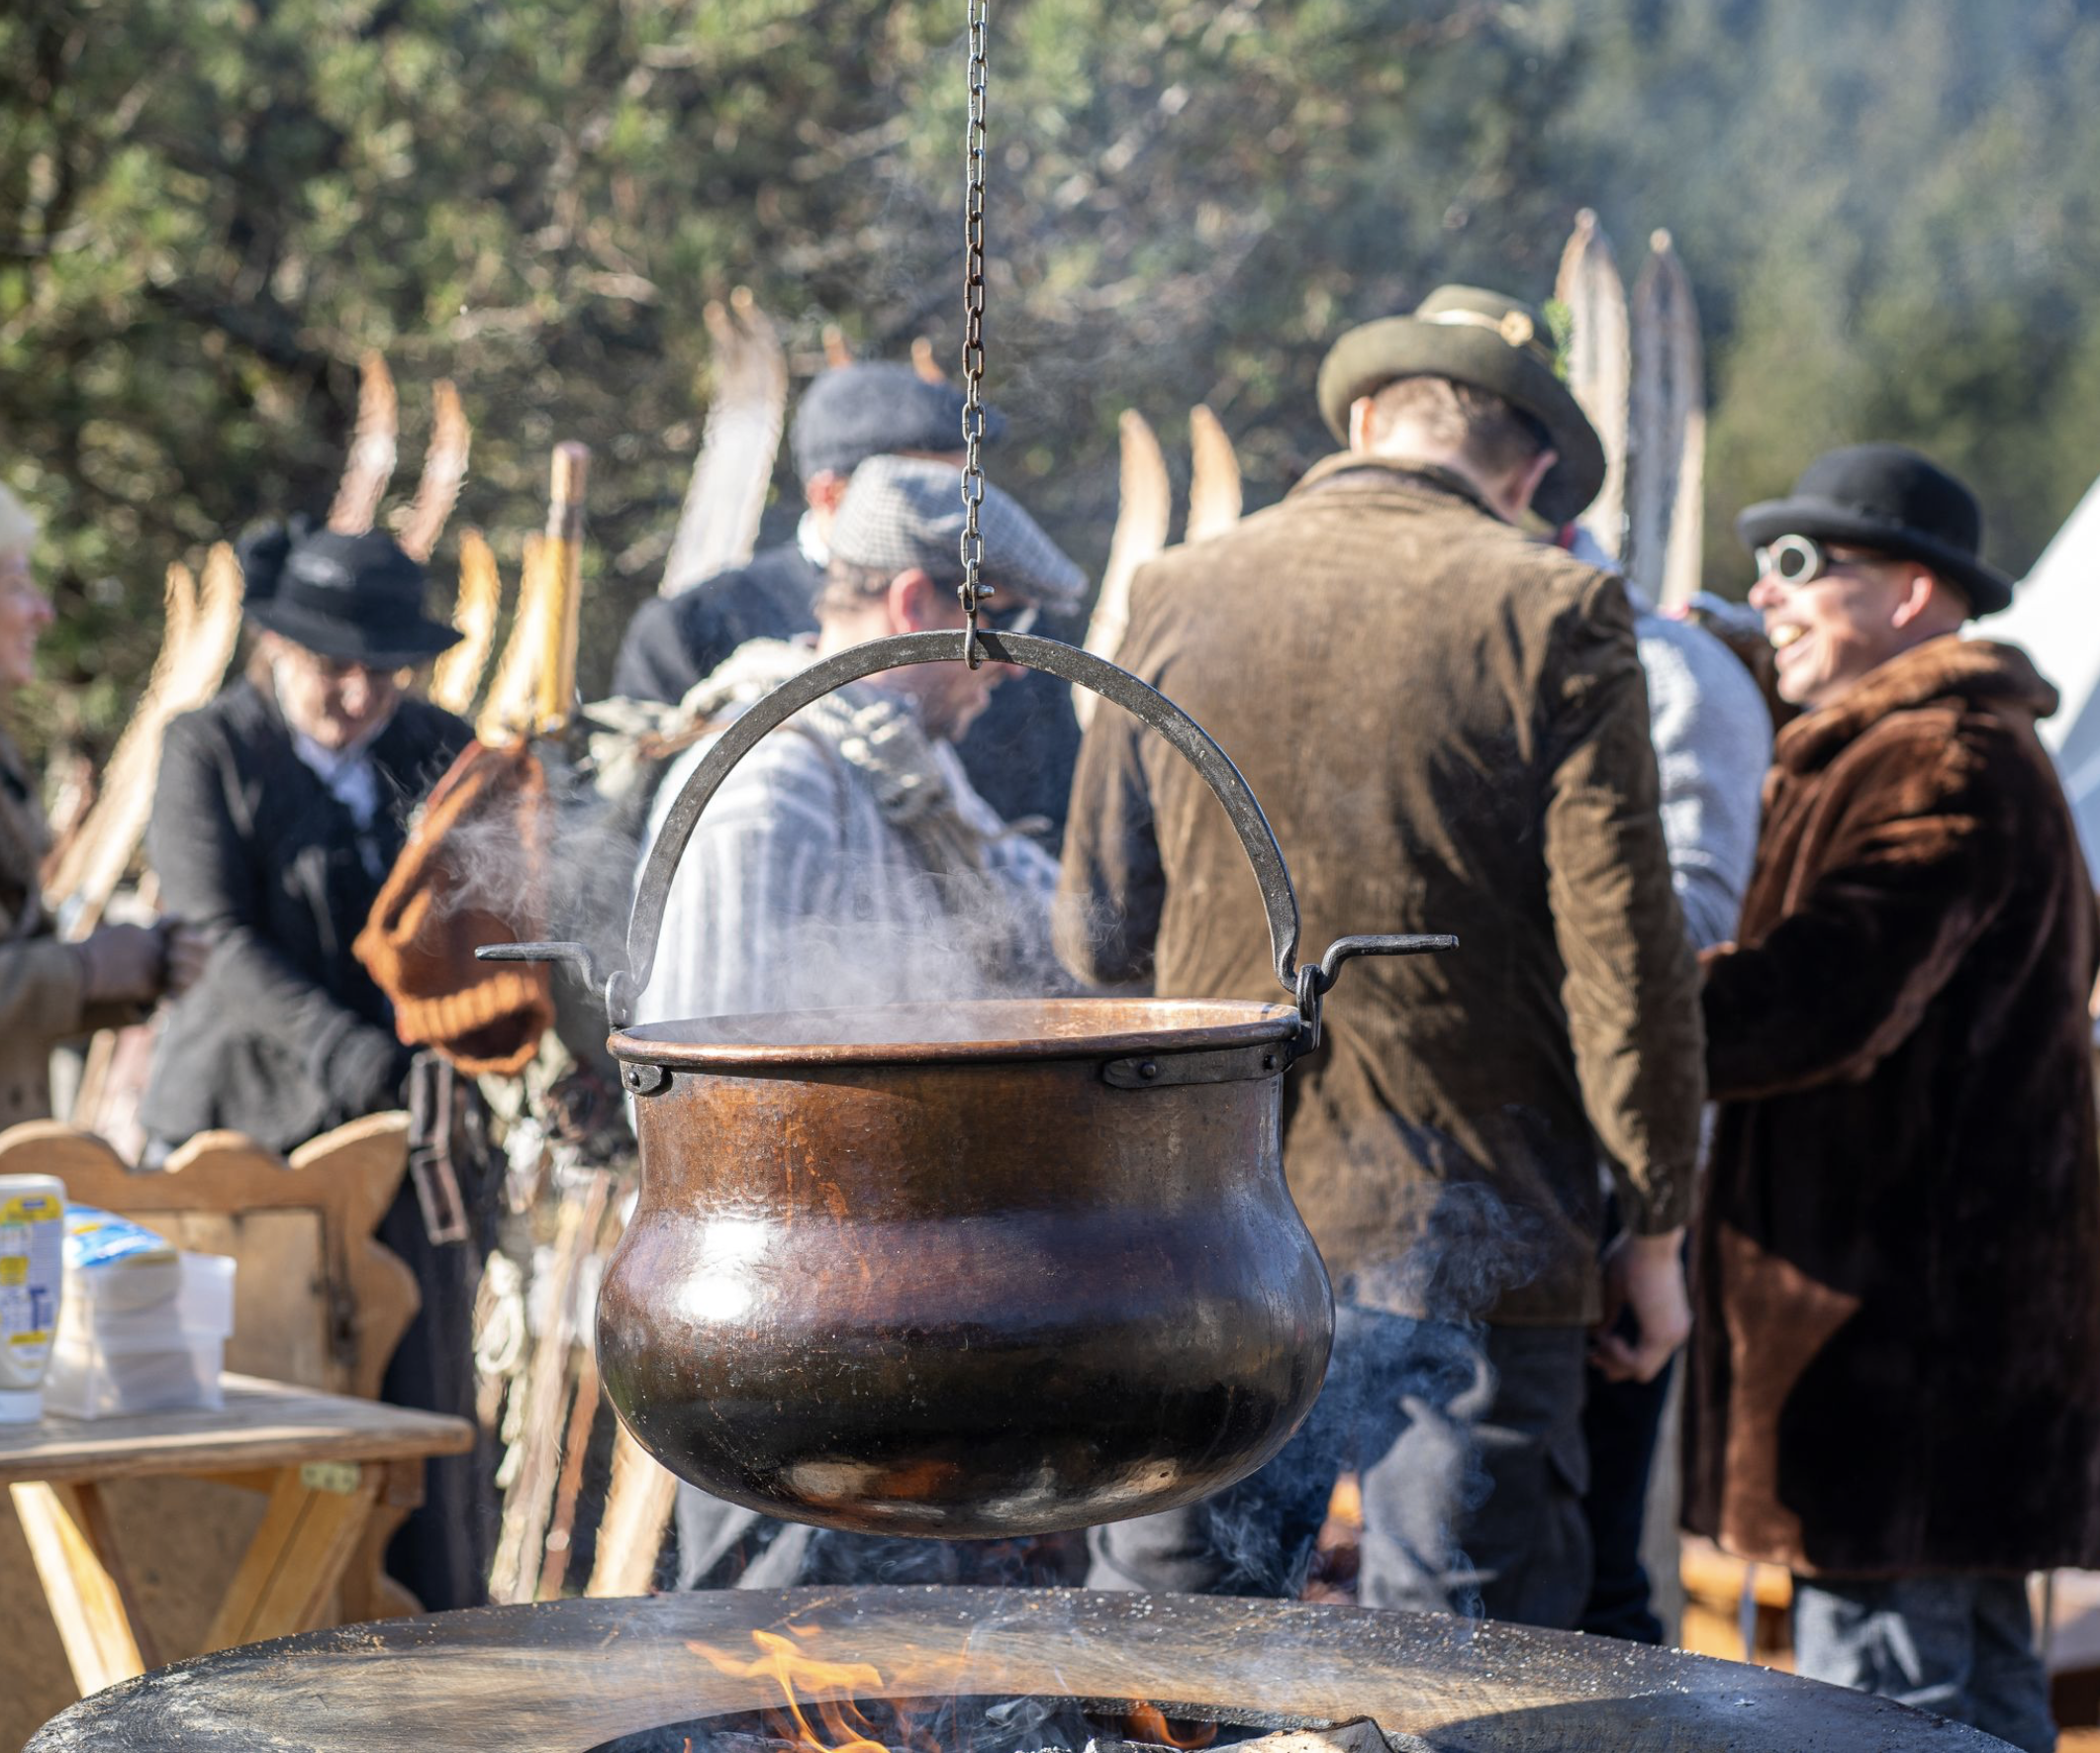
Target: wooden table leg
84,1582
368,1593
312,1525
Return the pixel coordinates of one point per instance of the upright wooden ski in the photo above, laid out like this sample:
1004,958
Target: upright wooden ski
1215,477
718,522
373,449
1140,533
444,471
1599,363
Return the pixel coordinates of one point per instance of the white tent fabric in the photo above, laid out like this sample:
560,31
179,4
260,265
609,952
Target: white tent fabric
2056,620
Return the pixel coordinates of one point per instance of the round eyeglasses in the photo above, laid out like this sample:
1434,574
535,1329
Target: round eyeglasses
1792,560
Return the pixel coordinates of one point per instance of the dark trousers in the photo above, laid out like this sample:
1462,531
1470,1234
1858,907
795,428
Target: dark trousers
441,1554
1468,1446
1620,1423
1959,1644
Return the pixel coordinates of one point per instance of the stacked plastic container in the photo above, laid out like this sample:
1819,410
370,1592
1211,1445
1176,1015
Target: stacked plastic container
143,1327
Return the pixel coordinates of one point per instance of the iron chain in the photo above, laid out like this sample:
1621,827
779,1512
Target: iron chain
972,590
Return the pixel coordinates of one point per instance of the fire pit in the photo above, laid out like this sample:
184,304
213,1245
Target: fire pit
576,1676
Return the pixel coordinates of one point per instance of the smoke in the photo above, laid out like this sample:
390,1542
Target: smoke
1413,1378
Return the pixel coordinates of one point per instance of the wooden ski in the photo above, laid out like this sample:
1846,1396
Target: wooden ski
202,628
718,522
1140,533
455,683
536,678
1665,407
444,470
1215,477
1599,363
370,466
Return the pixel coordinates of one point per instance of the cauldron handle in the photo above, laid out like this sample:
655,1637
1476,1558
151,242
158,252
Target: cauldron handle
1054,657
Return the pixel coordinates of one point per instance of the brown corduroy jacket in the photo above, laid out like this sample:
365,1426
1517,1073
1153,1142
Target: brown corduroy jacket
1895,1362
1446,724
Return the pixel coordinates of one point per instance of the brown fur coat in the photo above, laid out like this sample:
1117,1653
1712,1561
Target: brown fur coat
1896,1363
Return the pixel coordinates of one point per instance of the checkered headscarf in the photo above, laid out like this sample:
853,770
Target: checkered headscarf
901,512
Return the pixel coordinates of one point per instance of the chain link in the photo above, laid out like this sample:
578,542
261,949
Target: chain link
972,590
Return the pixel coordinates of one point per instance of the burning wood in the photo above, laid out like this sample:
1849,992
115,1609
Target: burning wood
1359,1734
829,1703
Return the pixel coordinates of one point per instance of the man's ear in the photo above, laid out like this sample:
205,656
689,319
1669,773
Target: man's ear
918,605
1533,476
1361,411
822,491
1924,593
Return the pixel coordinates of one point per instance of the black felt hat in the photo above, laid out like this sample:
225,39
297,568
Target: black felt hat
1492,343
874,408
1893,501
353,599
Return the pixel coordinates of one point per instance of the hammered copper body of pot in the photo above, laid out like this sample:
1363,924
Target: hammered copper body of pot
986,1269
1034,1280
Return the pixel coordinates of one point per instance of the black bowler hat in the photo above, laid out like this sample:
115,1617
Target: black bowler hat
352,599
1895,502
1492,343
875,408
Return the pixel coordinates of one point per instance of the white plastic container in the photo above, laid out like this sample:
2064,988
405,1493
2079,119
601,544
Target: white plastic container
116,1263
100,1380
109,1361
31,1287
197,1301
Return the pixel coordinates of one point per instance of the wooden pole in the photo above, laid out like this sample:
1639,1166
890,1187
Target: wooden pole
556,696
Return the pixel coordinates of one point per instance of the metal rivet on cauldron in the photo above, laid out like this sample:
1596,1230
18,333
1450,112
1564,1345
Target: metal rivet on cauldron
1147,1068
1267,1061
646,1079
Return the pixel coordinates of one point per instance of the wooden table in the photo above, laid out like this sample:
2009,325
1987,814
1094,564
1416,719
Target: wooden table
324,1461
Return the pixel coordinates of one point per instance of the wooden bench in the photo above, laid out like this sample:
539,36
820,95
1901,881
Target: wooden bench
318,1304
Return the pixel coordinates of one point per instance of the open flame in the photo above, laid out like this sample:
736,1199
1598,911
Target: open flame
811,1685
796,1673
1148,1722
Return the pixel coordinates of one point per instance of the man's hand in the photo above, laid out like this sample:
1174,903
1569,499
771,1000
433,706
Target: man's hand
123,964
188,951
1644,1275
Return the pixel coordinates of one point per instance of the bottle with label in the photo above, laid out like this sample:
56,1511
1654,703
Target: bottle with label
31,1276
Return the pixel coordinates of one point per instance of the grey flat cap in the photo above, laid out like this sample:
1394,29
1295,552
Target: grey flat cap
854,412
901,512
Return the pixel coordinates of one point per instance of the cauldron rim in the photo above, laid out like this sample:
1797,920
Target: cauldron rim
981,1029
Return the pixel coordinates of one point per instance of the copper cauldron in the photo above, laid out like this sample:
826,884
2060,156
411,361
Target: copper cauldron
966,1270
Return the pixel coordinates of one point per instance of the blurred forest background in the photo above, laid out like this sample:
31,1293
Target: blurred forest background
210,208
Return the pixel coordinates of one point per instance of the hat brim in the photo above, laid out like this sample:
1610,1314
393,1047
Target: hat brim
1373,356
1987,589
342,641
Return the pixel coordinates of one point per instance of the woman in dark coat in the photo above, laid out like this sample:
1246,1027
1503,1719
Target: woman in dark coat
281,808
